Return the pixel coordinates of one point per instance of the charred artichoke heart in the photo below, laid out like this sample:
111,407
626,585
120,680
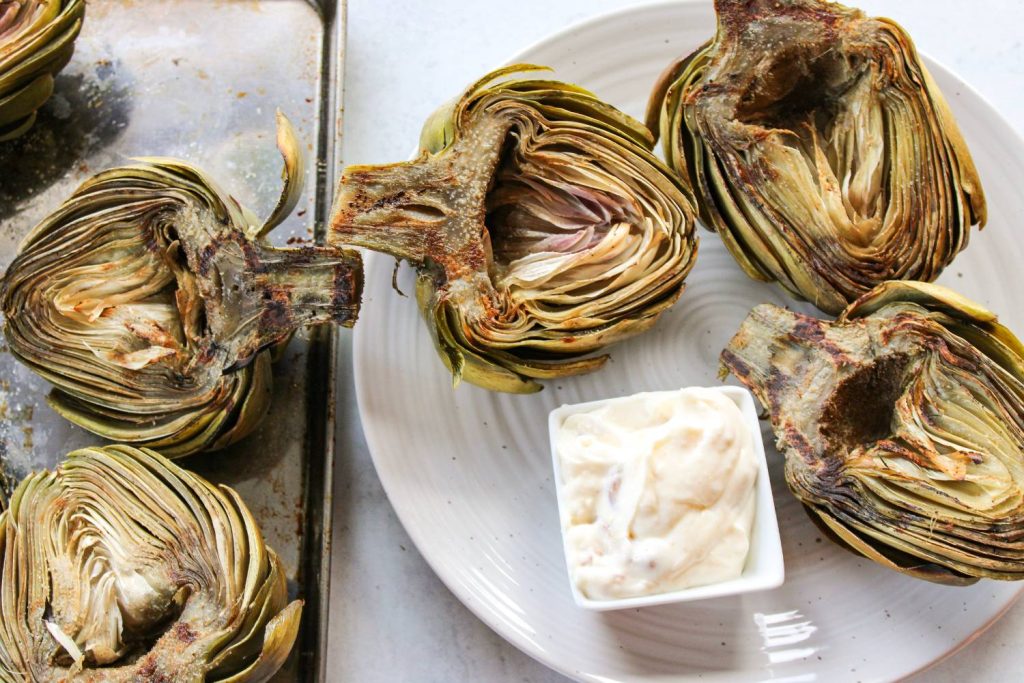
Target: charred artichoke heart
541,225
820,149
120,566
902,424
37,38
151,300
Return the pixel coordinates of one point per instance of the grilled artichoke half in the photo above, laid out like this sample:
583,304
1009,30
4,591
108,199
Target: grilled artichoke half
151,301
541,225
36,41
820,149
120,566
902,423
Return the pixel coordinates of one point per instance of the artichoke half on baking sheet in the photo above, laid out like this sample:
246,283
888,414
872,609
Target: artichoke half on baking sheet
819,148
902,425
152,301
541,226
120,566
36,41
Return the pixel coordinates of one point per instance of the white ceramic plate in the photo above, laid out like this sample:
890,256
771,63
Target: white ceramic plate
468,471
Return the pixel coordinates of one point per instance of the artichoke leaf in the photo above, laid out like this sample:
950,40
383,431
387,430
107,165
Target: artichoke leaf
119,566
153,303
902,424
36,42
820,149
293,174
541,226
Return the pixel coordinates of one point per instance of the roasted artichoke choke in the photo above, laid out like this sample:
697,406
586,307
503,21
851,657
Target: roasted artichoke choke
37,38
819,148
902,424
541,225
152,302
119,566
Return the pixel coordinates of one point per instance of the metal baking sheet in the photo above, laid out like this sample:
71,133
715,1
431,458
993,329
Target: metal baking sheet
201,80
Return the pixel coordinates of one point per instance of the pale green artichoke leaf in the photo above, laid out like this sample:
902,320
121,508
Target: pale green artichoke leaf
891,557
280,632
442,126
293,175
23,104
462,361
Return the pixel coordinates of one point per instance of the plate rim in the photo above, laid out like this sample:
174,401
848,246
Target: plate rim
377,260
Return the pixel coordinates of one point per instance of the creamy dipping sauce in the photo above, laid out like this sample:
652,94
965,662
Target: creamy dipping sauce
657,492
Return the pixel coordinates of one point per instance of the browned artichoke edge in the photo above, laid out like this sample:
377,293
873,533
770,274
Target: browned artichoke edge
902,426
819,148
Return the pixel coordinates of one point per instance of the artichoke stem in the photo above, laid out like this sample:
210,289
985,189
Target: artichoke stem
431,209
736,14
397,209
308,286
749,354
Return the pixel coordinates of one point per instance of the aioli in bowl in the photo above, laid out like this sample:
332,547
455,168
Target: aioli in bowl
658,495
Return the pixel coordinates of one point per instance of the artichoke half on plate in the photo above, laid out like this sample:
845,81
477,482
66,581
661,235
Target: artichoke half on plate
152,301
820,149
902,424
120,566
36,41
541,226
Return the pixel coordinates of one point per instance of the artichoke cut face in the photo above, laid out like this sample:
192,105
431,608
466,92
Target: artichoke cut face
120,566
902,424
820,149
36,41
541,225
151,300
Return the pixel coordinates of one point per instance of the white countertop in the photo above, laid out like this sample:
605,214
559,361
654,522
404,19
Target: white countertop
391,618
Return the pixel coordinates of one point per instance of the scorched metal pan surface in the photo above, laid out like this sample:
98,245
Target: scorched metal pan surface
200,80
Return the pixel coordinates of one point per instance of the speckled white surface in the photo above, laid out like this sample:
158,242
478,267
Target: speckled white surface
391,618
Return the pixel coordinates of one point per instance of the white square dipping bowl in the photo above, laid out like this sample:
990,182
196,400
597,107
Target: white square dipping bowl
764,568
